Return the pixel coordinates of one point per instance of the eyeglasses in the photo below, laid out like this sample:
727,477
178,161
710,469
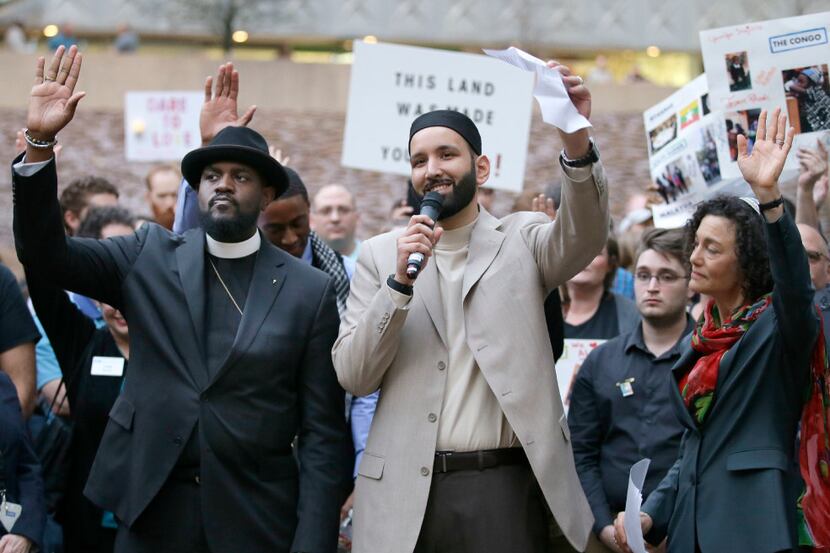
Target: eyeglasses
665,277
814,256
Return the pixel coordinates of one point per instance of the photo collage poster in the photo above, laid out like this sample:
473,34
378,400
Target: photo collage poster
782,63
687,149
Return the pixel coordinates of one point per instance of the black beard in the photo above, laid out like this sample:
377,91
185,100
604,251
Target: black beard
460,196
237,229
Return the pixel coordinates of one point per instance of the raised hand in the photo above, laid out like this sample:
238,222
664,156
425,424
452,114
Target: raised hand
53,99
544,205
276,153
579,93
763,166
812,164
220,109
820,190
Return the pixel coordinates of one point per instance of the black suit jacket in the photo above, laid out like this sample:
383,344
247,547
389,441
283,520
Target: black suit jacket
735,483
276,383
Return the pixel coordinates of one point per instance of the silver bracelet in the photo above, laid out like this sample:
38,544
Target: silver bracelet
38,144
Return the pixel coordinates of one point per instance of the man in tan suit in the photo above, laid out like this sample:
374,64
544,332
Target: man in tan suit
469,449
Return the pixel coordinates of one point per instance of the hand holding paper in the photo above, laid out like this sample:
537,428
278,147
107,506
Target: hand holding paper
631,525
565,102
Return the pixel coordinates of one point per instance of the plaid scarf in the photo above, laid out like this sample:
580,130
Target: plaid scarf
697,388
330,262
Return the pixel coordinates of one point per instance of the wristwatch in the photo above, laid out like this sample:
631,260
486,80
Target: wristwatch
591,157
397,286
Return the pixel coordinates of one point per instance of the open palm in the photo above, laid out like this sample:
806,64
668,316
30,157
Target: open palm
53,100
773,141
220,108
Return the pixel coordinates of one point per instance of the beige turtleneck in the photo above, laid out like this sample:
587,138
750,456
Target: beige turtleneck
471,418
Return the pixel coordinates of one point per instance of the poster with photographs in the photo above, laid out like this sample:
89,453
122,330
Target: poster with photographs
781,63
687,148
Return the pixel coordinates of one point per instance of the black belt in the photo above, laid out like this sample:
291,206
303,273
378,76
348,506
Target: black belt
448,461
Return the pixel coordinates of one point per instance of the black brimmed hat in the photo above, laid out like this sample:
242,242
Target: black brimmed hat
239,144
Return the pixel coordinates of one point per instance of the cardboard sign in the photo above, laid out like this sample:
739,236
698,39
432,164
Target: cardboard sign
161,126
687,151
574,354
391,85
781,63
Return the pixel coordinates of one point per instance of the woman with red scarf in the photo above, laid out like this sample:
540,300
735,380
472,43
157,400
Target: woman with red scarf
753,377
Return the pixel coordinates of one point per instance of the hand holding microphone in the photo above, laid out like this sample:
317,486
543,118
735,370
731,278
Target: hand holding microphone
415,245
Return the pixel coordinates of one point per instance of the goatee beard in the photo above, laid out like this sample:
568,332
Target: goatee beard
460,196
237,229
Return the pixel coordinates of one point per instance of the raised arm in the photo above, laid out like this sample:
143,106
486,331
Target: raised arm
793,293
91,267
220,108
564,247
812,184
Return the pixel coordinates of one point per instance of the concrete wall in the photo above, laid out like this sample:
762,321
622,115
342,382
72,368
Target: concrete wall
271,85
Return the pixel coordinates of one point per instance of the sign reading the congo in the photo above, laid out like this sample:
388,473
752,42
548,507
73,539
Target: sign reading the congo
161,126
391,85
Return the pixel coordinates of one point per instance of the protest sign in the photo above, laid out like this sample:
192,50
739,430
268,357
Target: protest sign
161,126
391,85
687,149
567,367
781,63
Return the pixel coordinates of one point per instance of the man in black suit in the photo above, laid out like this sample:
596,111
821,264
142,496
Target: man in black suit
230,341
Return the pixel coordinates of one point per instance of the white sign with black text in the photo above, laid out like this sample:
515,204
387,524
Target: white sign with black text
391,85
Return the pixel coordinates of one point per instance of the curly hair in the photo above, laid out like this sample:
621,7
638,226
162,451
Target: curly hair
750,241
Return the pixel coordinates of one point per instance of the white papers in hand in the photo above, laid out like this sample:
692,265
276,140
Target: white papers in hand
549,90
633,501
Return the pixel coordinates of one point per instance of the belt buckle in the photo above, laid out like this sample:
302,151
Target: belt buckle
443,456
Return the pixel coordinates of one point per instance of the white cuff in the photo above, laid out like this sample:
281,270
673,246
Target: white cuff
23,169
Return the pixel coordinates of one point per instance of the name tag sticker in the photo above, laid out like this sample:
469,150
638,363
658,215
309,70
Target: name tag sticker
107,366
9,513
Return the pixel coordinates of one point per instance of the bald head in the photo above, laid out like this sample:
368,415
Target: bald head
334,217
818,255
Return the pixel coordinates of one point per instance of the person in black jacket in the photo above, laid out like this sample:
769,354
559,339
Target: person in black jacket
231,349
94,363
20,475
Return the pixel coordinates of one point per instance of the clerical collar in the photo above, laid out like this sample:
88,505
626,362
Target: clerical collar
233,250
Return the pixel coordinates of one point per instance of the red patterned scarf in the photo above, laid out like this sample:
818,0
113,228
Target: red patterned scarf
697,388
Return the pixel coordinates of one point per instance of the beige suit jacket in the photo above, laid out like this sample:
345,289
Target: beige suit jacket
512,264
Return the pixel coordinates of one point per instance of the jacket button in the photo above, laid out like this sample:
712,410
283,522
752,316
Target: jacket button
178,440
432,417
441,365
424,471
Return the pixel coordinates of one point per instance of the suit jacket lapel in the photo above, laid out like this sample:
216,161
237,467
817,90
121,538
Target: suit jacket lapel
266,282
190,259
428,290
485,243
687,359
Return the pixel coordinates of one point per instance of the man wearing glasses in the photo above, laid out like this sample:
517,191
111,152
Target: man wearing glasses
620,409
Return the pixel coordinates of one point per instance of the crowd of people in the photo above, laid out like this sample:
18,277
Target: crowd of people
293,388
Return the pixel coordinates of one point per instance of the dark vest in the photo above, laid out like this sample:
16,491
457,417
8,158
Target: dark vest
222,321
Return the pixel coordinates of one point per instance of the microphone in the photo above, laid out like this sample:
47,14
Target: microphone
431,207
